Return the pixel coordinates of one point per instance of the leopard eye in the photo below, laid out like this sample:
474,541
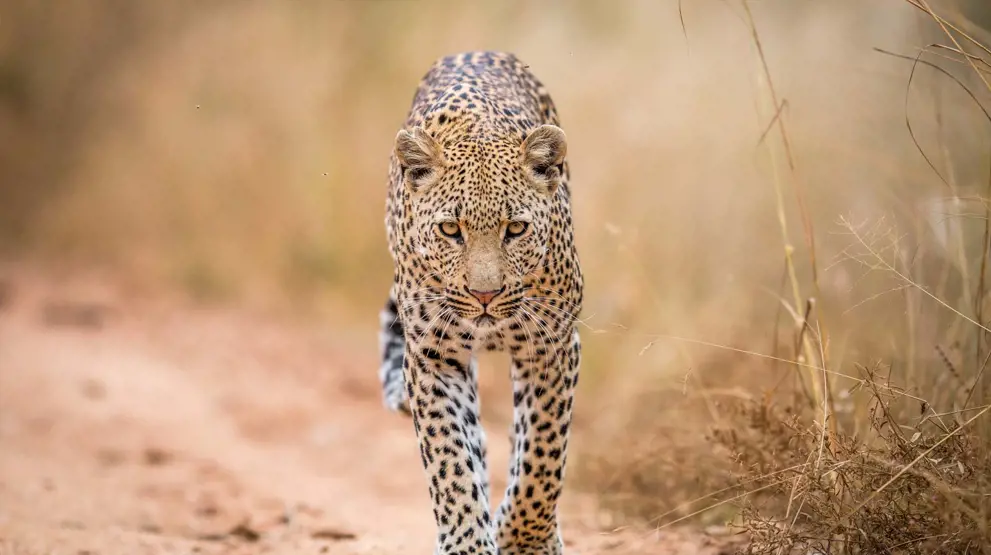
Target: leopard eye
450,229
515,229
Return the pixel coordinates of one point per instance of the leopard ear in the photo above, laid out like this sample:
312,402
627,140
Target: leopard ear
544,150
420,158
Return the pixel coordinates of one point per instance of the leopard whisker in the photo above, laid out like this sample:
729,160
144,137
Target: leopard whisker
429,325
558,296
544,333
560,311
526,332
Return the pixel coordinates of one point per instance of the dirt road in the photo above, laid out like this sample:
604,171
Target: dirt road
142,426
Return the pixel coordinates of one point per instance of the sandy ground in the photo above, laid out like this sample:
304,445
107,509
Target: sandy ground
144,426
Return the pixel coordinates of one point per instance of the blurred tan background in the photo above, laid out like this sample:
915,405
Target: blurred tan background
236,152
238,148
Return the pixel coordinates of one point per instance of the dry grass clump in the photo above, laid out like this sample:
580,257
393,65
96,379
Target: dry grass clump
903,489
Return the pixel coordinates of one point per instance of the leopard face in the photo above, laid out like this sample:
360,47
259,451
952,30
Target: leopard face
482,214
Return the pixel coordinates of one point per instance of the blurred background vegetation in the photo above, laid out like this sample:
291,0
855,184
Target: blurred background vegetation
237,151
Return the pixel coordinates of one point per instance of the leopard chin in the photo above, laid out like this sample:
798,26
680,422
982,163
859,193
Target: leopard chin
484,321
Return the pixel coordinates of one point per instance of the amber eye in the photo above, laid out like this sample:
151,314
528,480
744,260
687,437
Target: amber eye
515,229
450,229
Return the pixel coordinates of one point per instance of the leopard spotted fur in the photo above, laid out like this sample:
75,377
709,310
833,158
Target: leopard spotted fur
478,219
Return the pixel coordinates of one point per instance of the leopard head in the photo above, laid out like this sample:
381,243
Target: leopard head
482,210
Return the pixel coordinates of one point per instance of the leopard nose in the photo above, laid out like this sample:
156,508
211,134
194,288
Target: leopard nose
485,297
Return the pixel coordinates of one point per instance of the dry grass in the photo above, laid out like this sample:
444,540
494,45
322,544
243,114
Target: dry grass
918,489
749,355
884,453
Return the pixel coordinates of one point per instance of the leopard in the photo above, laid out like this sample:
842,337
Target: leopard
479,228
